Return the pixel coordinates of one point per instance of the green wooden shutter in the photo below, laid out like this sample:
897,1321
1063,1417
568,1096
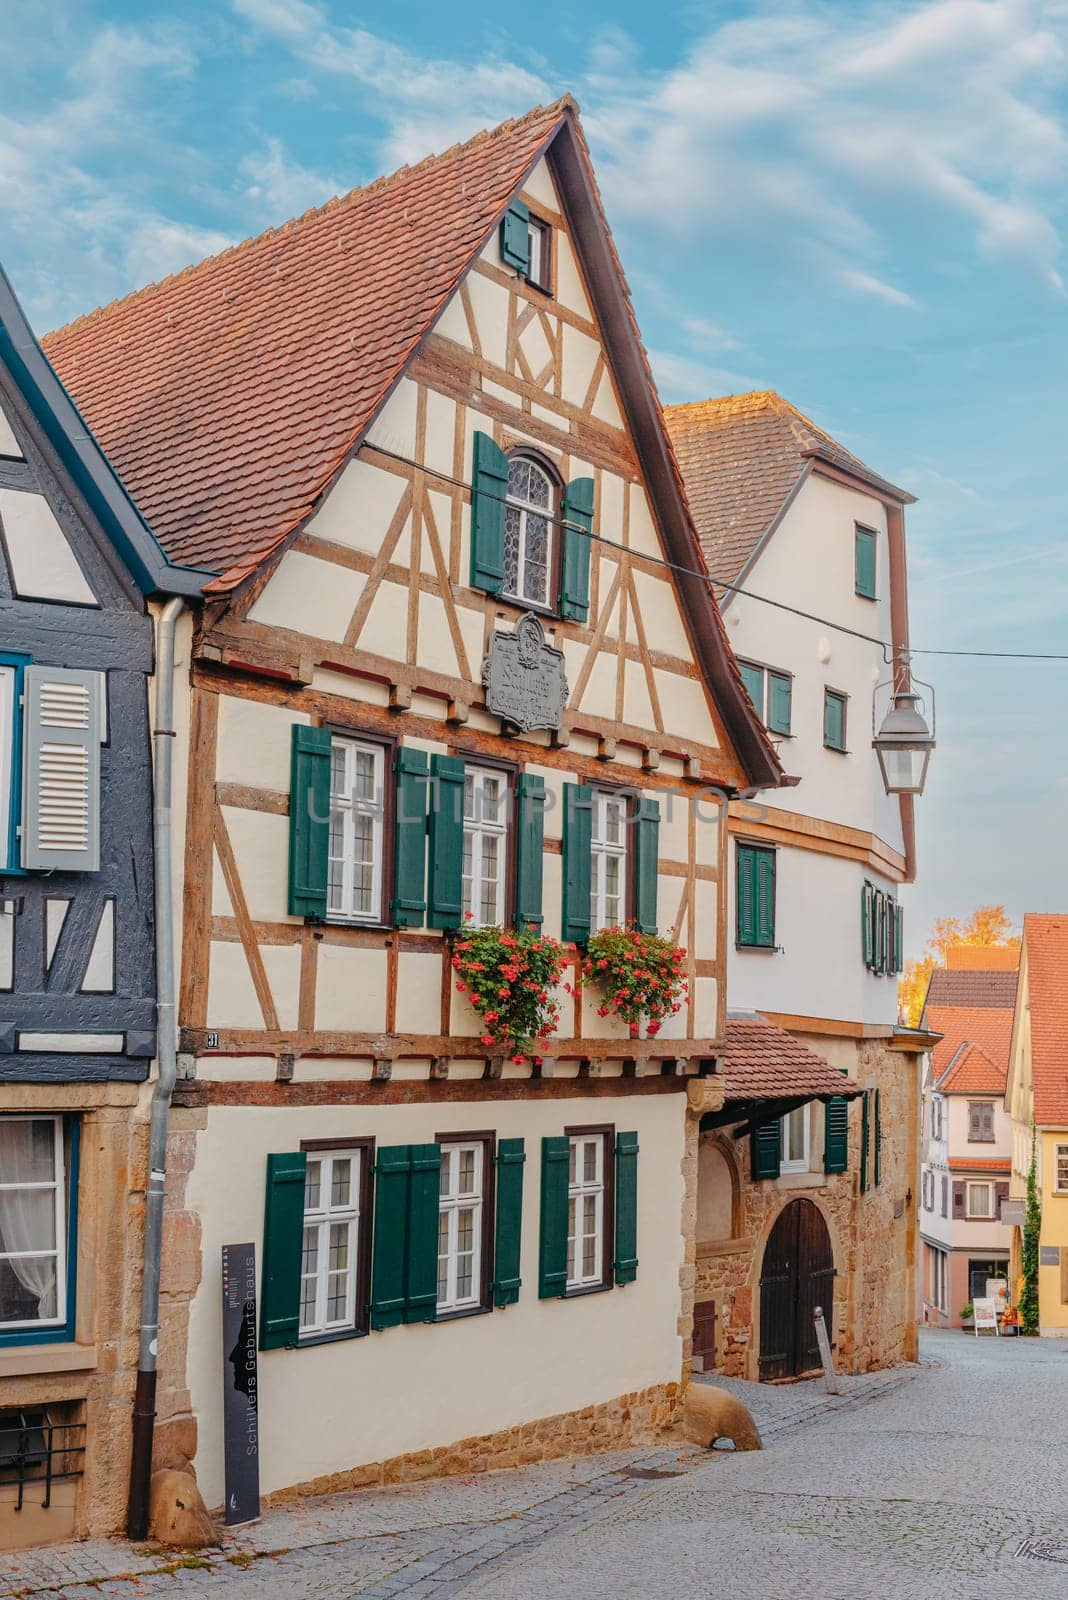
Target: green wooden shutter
877,1142
529,850
765,897
283,1241
753,678
421,1247
552,1261
515,237
575,566
765,1149
745,908
780,696
309,821
408,904
625,1265
389,1259
878,930
867,928
508,1227
836,1134
833,720
899,938
445,847
865,567
488,490
865,1138
647,863
578,844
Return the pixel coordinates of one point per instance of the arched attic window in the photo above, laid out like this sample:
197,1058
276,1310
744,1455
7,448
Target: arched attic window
530,539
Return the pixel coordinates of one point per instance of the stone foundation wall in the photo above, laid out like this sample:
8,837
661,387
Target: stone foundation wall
644,1417
181,1264
873,1235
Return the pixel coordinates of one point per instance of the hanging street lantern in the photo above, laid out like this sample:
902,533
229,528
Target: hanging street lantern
903,742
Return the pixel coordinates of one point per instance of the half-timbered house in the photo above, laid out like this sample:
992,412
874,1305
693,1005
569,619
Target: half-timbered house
415,434
77,976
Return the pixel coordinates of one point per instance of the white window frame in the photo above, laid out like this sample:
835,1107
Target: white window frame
546,513
58,1184
936,1116
476,828
8,776
803,1162
603,849
344,808
451,1204
323,1217
939,1279
580,1190
1060,1153
539,233
980,1216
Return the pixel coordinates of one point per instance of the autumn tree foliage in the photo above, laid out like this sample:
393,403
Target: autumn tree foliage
987,925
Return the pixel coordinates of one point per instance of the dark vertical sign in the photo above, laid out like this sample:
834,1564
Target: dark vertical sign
241,1423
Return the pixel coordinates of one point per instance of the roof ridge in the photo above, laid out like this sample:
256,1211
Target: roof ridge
566,102
723,399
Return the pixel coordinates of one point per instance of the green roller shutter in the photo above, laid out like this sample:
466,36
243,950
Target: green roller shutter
309,820
647,863
488,490
515,237
865,1138
552,1264
283,1241
445,846
836,1134
578,844
575,566
877,1141
529,849
780,695
765,1149
408,904
389,1263
865,567
421,1276
625,1265
753,678
509,1162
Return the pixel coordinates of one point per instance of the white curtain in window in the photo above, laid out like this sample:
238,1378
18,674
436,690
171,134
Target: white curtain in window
28,1216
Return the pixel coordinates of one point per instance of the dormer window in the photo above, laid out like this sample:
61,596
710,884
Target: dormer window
539,242
528,533
526,245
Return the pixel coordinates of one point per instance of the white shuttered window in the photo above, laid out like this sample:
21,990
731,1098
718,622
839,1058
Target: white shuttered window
61,805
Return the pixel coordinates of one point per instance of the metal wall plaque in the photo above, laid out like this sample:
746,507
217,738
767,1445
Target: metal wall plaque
524,677
1049,1255
241,1425
1014,1213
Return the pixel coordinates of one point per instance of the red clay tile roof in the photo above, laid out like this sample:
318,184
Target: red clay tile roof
741,456
972,1072
989,1027
228,395
764,1062
1046,942
971,989
983,957
980,1163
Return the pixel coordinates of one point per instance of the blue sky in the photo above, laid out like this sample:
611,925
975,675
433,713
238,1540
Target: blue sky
862,206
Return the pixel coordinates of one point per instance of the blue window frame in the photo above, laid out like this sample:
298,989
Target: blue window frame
31,1226
12,676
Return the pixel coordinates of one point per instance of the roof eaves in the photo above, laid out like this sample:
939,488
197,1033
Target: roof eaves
862,474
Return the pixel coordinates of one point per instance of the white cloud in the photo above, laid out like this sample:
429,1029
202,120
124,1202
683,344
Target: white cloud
273,178
684,378
868,283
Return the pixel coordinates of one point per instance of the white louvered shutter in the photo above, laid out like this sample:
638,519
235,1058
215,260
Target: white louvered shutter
61,808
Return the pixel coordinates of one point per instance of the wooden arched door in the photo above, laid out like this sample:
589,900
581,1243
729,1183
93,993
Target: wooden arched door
797,1276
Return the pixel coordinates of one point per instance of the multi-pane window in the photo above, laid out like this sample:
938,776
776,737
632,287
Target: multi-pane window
795,1147
771,693
939,1279
882,931
834,720
33,1266
1060,1169
980,1201
936,1117
460,1226
585,1211
980,1122
528,533
357,799
608,865
539,235
485,846
330,1255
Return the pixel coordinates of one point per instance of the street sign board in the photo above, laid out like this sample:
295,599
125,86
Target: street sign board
241,1430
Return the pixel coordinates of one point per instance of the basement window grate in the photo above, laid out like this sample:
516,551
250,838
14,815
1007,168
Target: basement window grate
39,1447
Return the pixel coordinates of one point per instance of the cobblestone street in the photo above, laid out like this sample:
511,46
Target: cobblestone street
933,1481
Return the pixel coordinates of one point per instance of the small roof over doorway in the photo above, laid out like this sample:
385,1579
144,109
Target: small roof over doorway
766,1072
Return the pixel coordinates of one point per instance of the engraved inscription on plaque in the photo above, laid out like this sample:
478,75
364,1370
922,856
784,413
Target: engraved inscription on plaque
524,677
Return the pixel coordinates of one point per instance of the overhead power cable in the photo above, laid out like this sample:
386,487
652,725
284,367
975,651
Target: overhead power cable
733,588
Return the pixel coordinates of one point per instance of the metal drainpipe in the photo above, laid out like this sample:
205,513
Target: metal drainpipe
144,1411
